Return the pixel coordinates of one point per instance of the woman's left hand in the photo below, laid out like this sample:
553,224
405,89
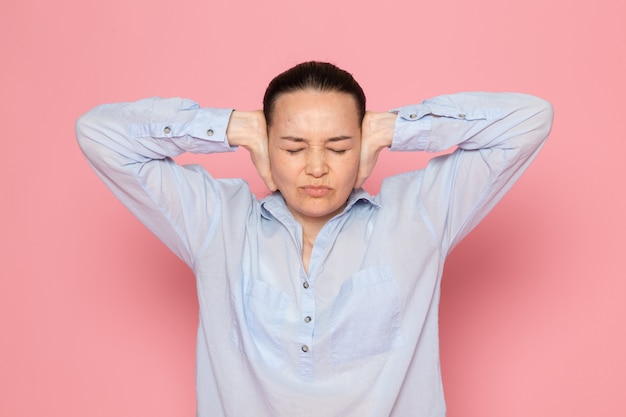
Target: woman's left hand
376,134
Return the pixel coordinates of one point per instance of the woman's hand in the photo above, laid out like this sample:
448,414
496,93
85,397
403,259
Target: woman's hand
248,129
376,134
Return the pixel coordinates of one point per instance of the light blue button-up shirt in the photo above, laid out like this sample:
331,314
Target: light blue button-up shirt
357,335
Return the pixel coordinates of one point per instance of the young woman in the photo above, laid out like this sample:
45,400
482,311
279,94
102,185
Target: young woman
320,299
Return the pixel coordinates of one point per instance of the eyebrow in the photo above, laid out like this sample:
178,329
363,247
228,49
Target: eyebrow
333,139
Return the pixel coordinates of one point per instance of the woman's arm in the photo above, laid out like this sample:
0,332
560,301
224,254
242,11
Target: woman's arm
496,136
131,146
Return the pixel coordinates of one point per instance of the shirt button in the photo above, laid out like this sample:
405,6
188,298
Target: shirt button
210,132
167,130
305,285
307,319
461,115
305,348
412,116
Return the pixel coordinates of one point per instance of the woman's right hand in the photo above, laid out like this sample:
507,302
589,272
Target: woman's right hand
248,129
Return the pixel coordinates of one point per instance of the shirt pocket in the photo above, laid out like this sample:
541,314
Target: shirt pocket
366,315
265,311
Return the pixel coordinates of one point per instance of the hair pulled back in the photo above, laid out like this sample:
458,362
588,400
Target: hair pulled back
319,76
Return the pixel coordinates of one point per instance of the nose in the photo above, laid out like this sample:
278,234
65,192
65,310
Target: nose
316,165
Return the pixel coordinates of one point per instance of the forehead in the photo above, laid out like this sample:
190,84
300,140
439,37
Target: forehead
308,108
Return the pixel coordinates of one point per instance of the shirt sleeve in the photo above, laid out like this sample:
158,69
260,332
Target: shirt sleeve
131,146
496,135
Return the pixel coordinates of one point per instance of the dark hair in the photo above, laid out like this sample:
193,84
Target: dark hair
320,76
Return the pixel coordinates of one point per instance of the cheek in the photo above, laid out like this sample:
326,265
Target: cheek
350,168
282,169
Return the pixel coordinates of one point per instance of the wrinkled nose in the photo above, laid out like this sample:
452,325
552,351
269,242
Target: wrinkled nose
316,163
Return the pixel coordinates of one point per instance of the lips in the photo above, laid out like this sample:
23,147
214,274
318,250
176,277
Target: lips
315,190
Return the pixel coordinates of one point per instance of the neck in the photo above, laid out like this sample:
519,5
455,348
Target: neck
310,231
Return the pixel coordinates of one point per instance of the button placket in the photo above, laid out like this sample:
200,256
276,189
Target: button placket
305,329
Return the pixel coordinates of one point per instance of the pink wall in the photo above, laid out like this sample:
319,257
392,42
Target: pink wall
98,319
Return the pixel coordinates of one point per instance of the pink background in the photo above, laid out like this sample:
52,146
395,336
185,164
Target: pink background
97,318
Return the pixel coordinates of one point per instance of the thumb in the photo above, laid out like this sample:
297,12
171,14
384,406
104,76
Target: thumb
366,165
269,182
262,164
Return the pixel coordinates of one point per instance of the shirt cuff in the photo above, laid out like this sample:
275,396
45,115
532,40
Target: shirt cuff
194,129
210,124
412,128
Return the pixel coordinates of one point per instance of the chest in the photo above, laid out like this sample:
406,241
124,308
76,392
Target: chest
349,303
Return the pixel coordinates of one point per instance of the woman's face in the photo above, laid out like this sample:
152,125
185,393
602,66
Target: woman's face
314,149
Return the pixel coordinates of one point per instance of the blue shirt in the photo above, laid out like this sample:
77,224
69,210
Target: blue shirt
358,334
